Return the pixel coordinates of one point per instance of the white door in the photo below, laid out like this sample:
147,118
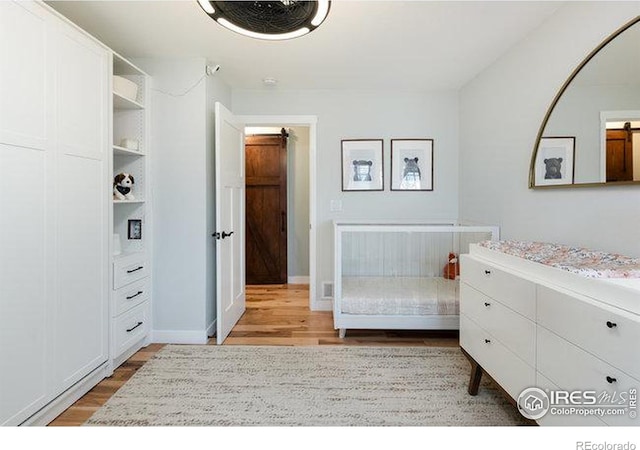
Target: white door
81,307
26,211
230,268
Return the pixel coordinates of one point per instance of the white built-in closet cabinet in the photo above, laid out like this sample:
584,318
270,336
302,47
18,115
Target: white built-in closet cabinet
54,212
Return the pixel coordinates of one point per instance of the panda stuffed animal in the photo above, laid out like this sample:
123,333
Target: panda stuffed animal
122,186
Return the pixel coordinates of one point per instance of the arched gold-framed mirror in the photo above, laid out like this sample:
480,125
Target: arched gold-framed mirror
590,135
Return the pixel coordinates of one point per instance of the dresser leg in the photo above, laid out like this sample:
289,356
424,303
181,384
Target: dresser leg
476,374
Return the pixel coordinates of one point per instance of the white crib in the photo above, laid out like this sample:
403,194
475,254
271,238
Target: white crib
390,275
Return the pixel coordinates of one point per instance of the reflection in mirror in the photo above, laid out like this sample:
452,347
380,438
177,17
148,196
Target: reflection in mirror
595,119
620,144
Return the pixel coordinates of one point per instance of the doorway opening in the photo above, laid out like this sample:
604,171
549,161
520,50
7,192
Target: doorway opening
277,211
622,152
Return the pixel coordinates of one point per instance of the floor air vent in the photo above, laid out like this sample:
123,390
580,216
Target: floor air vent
327,289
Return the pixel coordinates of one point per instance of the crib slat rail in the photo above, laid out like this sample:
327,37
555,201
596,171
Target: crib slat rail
389,274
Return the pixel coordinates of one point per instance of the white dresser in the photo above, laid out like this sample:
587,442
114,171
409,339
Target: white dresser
527,324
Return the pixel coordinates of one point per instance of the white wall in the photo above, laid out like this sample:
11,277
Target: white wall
360,114
636,156
181,186
298,204
500,113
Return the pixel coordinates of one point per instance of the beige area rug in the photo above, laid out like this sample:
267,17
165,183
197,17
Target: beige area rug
203,385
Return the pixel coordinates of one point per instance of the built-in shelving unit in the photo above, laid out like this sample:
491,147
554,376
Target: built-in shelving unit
120,102
131,266
122,151
120,202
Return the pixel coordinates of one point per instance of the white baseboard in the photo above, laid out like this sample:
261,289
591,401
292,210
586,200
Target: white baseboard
211,329
322,305
179,337
298,280
68,397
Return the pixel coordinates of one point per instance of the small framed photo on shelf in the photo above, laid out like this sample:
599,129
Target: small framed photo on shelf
134,230
412,164
362,165
555,161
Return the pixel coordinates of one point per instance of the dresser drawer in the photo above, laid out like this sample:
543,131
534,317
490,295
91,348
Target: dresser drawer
609,336
514,331
517,293
556,420
507,369
130,327
129,296
128,269
571,368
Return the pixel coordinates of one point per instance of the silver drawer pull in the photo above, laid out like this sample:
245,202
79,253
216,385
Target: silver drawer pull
134,295
487,272
136,326
611,380
487,304
487,341
611,324
135,270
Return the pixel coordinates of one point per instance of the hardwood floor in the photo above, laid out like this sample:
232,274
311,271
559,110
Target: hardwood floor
280,315
275,315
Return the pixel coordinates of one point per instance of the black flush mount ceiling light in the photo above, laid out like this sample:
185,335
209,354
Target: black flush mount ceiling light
274,20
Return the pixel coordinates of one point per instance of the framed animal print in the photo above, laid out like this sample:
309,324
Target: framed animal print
362,165
134,230
412,164
555,161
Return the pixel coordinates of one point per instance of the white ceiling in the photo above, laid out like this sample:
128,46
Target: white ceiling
405,45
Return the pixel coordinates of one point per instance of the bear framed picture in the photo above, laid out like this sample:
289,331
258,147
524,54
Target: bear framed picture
134,230
412,164
362,165
555,161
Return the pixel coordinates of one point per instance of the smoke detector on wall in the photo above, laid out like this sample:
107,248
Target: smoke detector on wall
269,81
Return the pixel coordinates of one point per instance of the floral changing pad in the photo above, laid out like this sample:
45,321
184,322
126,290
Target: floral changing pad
581,261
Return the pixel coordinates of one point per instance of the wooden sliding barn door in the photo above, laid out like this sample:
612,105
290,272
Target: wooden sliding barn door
620,155
266,208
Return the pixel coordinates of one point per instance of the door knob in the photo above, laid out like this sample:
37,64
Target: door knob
222,235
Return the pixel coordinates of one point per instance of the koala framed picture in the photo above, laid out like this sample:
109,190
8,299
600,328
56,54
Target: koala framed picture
555,161
412,164
362,165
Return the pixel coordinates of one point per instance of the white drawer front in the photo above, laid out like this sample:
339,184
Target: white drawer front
519,294
130,327
556,420
514,331
571,368
131,295
129,269
511,372
607,335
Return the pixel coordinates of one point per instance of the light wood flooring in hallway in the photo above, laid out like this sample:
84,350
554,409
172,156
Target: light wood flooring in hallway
275,315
